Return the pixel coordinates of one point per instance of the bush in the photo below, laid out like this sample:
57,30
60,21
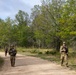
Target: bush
23,51
34,51
51,52
40,53
73,54
1,62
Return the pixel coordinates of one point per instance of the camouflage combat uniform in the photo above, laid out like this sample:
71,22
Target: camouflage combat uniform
12,53
64,54
6,51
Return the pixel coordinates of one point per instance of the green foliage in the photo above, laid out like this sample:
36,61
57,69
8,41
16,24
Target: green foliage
34,51
50,24
51,52
40,53
22,18
1,62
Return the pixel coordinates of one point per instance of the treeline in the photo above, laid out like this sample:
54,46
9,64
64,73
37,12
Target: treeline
49,24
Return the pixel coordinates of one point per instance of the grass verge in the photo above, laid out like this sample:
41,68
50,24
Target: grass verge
1,62
50,55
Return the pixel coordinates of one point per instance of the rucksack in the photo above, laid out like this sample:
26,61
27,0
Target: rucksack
66,49
12,52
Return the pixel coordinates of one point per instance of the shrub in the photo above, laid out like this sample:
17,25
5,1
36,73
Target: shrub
34,51
23,51
40,53
51,52
1,62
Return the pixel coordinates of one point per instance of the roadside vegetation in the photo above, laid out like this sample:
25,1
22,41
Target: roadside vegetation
1,62
50,55
48,25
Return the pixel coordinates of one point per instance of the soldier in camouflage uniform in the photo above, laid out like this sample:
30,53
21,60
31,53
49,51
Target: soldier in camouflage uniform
6,50
12,53
64,54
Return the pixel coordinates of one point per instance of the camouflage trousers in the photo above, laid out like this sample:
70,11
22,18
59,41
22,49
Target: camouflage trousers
12,60
64,58
6,53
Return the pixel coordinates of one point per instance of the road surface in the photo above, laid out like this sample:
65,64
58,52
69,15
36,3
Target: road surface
27,65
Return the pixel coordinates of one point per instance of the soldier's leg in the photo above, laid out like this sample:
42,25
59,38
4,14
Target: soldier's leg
62,60
13,61
5,53
66,60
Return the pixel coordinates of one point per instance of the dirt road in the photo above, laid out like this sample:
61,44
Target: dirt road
26,65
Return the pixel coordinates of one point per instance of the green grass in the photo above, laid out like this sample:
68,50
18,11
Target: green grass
72,60
47,54
1,59
1,50
1,62
50,55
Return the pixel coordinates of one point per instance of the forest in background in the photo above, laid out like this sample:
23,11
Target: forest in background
47,26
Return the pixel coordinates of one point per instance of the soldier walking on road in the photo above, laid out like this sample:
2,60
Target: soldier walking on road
6,50
12,53
64,54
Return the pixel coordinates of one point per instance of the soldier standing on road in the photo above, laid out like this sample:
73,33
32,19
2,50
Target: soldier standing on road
12,53
6,50
64,54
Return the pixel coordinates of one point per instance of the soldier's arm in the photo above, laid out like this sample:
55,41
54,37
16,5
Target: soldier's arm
15,51
9,52
67,50
60,49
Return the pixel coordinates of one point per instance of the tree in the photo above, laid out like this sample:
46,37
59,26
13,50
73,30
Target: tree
23,29
22,18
